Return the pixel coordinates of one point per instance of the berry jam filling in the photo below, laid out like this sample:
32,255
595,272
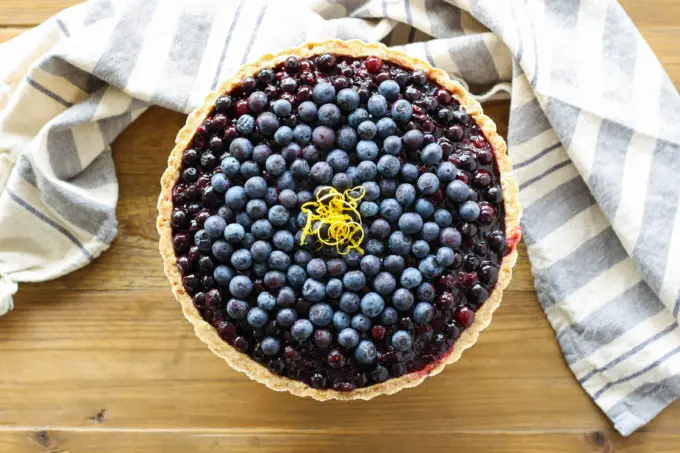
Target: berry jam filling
431,211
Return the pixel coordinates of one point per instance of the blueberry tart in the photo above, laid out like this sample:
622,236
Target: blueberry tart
339,220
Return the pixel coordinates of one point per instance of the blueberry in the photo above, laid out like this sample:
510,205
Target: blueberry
302,134
275,165
266,301
257,317
405,194
346,138
357,117
338,160
222,250
262,229
353,175
285,181
377,106
354,280
255,187
403,299
257,101
450,237
260,154
241,259
278,260
420,249
296,276
426,292
237,309
313,290
409,173
214,226
284,240
352,259
302,258
336,267
394,264
430,232
399,243
430,267
384,283
321,314
245,124
386,127
423,313
248,240
334,288
367,130
267,123
286,317
323,93
348,338
259,269
278,215
234,233
389,166
368,209
390,209
428,183
236,198
283,135
410,223
348,99
282,108
375,247
341,320
367,150
370,265
445,256
301,330
223,275
425,208
316,268
413,139
458,191
323,137
392,145
240,286
244,220
443,218
241,149
365,353
322,173
220,183
411,278
230,167
202,241
349,302
226,213
307,111
389,89
286,297
329,115
361,323
388,187
274,279
371,188
469,211
300,169
249,169
270,346
402,111
260,251
372,304
446,172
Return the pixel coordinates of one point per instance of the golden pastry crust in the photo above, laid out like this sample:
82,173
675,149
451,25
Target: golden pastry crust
243,362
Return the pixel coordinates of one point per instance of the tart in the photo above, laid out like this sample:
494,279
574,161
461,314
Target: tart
339,220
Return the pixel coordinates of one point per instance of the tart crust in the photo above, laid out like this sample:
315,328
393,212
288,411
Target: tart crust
242,362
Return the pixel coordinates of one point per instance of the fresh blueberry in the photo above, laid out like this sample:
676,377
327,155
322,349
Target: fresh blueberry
365,353
445,256
405,194
370,265
323,137
390,209
426,292
262,229
286,297
278,215
411,278
284,240
348,338
430,267
388,187
237,309
266,301
367,130
241,259
367,150
372,304
446,172
353,175
329,115
450,237
236,198
409,173
286,317
275,165
430,232
270,346
336,267
403,299
386,127
257,101
375,247
357,117
457,191
220,183
307,112
402,341
399,243
377,106
443,218
348,99
226,213
260,251
425,208
230,167
267,123
402,111
341,182
321,314
389,166
354,280
282,108
341,320
392,145
384,283
278,260
285,181
245,124
423,312
296,275
222,250
274,279
322,173
361,323
257,317
338,160
234,233
414,139
288,199
300,169
302,258
371,188
353,258
349,302
283,135
428,183
260,269
390,89
301,330
394,264
260,154
368,209
469,211
214,226
323,93
302,134
316,268
271,197
410,223
249,169
240,286
334,288
420,249
313,290
346,138
223,275
244,220
255,187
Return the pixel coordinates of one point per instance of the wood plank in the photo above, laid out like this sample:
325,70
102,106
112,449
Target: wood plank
66,355
304,441
31,12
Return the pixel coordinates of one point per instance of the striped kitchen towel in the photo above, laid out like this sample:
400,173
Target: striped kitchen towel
593,134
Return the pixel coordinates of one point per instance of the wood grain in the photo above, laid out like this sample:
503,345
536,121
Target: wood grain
102,359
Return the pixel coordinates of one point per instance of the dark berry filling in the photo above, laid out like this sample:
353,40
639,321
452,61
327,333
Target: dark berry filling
432,214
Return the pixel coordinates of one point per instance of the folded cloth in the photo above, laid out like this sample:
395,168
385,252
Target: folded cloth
593,134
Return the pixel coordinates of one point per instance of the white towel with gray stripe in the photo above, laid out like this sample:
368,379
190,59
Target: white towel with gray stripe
593,134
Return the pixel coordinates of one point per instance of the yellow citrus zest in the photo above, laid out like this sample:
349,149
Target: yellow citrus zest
334,219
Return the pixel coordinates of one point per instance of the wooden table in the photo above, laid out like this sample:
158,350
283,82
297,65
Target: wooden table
102,360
